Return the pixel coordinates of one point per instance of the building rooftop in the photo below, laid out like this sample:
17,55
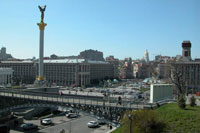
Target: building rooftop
60,61
65,61
3,68
17,61
97,62
186,44
189,62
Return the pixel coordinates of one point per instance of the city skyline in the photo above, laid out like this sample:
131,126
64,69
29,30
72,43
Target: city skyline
122,29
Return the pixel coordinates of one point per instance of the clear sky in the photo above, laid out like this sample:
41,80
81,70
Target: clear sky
123,28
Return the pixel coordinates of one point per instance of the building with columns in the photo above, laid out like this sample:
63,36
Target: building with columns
6,76
23,71
65,72
190,73
100,70
189,69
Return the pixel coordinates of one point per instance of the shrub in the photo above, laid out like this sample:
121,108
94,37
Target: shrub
181,102
192,101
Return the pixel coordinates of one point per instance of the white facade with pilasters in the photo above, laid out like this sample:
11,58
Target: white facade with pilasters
6,76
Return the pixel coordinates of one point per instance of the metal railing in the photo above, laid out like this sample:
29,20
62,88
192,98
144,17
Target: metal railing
70,99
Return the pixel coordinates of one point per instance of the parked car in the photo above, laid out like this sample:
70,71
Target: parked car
71,115
29,126
101,120
92,124
46,121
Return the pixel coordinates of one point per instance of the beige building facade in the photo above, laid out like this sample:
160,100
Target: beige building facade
191,73
64,72
6,76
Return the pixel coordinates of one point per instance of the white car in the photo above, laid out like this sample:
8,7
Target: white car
71,115
93,124
46,121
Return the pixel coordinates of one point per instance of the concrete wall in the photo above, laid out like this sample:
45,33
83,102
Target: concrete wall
160,92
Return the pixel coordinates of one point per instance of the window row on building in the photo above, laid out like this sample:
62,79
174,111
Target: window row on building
62,72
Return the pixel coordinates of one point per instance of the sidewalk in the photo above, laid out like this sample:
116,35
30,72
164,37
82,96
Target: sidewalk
104,129
111,130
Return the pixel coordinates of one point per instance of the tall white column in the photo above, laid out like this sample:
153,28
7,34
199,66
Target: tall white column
41,51
41,54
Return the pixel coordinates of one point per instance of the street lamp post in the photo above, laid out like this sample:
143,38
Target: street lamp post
130,117
70,130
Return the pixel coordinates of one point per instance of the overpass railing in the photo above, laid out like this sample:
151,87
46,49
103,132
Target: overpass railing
69,99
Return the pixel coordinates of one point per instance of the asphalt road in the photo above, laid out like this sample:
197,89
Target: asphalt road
60,121
75,126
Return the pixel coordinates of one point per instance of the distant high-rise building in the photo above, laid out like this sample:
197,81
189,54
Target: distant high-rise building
3,50
146,56
3,55
186,51
93,55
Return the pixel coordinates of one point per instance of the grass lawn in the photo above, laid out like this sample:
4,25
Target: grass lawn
179,120
119,130
176,119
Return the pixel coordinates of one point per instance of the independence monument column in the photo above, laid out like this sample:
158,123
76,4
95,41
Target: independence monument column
41,25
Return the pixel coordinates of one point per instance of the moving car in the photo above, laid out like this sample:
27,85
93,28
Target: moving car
71,115
93,124
29,126
46,121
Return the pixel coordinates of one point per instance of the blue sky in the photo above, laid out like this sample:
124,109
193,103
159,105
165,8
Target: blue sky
123,28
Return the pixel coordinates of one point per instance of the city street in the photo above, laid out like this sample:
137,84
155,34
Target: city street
76,125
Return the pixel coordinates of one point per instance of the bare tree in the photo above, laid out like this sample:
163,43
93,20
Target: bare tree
177,78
